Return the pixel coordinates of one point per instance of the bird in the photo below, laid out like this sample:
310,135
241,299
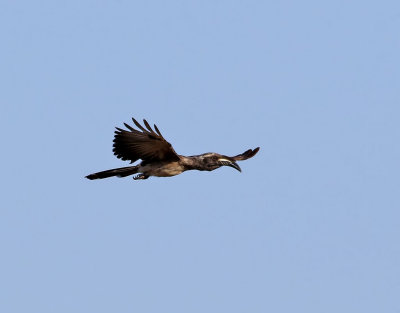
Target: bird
158,157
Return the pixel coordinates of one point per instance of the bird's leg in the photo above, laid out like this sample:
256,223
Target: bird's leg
140,176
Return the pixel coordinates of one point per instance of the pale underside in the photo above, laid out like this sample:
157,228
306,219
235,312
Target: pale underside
161,169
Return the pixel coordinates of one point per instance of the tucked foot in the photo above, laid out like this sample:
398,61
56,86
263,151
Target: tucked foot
140,176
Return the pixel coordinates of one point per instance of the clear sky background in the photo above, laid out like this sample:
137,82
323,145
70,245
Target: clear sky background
312,224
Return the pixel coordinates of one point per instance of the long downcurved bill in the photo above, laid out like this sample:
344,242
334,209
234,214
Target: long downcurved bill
230,163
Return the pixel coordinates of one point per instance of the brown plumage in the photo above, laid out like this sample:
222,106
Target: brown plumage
159,157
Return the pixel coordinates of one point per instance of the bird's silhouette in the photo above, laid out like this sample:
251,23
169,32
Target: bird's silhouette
158,157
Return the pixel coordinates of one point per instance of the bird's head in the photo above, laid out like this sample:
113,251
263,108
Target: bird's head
212,161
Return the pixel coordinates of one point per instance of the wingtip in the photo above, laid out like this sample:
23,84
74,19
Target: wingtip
254,152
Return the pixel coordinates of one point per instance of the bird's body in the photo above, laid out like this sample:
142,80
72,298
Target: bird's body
162,169
158,157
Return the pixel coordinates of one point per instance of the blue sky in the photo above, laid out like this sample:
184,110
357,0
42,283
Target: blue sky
312,224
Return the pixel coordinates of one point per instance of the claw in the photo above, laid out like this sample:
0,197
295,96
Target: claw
140,176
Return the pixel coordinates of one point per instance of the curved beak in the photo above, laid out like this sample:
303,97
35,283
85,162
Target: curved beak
230,163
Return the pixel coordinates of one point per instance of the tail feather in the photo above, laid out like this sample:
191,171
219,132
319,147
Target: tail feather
119,172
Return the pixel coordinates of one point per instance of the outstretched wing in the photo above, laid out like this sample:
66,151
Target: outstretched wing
145,144
246,155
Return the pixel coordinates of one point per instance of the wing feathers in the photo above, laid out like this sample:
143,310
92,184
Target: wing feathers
148,126
129,127
246,155
149,145
139,126
146,145
158,132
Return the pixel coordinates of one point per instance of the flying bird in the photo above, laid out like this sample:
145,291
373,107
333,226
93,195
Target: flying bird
159,157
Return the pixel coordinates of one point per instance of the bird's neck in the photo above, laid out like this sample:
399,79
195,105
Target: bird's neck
191,163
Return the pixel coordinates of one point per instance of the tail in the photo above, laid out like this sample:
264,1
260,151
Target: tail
120,172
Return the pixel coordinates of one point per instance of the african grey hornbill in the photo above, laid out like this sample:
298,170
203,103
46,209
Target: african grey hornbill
158,157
